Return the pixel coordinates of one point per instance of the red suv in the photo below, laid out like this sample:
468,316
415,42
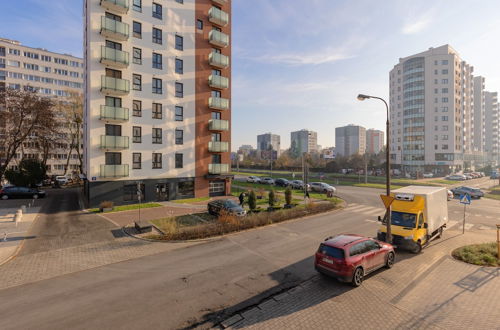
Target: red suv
350,257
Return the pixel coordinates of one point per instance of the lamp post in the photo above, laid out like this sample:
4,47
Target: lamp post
388,237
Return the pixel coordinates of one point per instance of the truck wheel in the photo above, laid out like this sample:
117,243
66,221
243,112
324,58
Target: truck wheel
357,277
4,197
440,233
417,248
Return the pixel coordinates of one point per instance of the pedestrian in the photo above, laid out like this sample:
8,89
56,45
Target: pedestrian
307,193
242,198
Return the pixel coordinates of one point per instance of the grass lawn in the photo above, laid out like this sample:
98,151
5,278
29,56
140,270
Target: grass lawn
128,207
494,193
191,200
172,224
479,254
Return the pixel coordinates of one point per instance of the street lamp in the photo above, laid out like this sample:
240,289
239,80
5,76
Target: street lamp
388,234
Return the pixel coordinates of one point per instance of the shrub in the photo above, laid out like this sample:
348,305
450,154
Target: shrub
252,200
272,198
106,205
260,193
288,195
226,218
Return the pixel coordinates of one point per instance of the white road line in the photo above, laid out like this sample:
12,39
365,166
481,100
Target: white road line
451,223
489,217
375,211
369,220
363,209
356,207
351,205
467,226
485,227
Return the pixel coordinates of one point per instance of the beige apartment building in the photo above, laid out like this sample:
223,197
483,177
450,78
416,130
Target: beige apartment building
374,141
50,74
157,99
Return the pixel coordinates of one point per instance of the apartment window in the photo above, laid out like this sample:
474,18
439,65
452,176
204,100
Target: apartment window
113,73
444,100
444,62
444,137
137,108
436,100
13,51
157,86
444,118
199,24
435,62
436,118
136,134
157,10
137,29
435,71
444,81
445,128
137,5
157,111
156,135
444,90
179,1
444,147
435,81
444,71
179,66
179,161
436,128
156,160
157,36
136,160
113,130
436,137
157,61
137,55
137,82
179,42
216,115
179,113
113,158
435,90
114,102
444,109
435,147
130,192
217,137
179,136
216,159
179,89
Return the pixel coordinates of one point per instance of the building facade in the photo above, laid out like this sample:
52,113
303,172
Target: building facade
374,141
268,146
303,141
350,140
491,128
157,112
52,75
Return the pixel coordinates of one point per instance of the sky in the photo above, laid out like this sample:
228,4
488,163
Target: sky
300,64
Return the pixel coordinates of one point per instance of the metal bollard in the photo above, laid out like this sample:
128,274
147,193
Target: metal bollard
4,236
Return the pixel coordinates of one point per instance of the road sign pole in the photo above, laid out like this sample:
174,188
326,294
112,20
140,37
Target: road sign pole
463,226
498,242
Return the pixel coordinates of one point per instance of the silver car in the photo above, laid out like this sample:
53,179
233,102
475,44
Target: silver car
322,187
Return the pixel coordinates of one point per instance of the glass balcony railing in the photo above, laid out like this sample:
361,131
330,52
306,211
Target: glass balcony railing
217,16
218,146
218,103
218,125
218,38
114,171
114,29
218,60
119,6
218,168
114,57
114,113
114,142
116,86
219,82
220,2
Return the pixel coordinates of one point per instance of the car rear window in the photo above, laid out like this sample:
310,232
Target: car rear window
331,251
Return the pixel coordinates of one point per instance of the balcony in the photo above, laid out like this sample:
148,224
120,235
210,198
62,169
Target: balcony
114,113
220,2
218,146
113,29
119,6
218,82
218,38
114,142
114,86
218,103
218,125
217,16
114,57
113,171
218,168
218,60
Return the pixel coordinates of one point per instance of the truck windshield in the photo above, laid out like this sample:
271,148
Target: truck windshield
403,219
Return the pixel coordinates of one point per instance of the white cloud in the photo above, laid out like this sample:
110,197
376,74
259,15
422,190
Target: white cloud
416,24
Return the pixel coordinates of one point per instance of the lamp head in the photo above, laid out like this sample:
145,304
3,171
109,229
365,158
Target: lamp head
362,97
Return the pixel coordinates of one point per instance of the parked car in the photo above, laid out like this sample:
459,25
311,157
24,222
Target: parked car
21,192
350,258
62,179
450,194
473,192
215,207
495,175
253,179
299,184
267,181
282,182
322,187
456,177
428,175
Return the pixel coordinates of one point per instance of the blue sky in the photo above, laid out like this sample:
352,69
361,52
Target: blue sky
300,64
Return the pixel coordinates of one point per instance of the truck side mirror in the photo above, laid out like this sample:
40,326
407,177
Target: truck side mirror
426,225
379,218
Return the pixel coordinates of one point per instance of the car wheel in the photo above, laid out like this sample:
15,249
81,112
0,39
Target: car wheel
35,196
4,197
390,260
417,248
357,278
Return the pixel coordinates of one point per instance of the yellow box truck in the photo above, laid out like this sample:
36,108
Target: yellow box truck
418,215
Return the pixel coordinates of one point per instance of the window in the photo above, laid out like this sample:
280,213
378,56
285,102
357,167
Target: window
156,160
157,86
179,42
137,5
185,189
179,66
179,161
445,128
136,134
157,36
114,45
179,1
444,90
130,191
216,137
444,147
137,55
137,28
444,100
157,111
435,90
136,160
444,81
179,113
179,89
156,135
114,102
157,61
157,11
113,130
179,136
13,51
137,108
444,109
199,24
444,71
216,115
444,62
444,137
113,158
436,137
113,73
137,82
444,118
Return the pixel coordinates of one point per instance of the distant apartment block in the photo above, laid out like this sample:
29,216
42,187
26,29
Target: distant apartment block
478,115
350,140
52,75
303,141
491,127
268,146
374,141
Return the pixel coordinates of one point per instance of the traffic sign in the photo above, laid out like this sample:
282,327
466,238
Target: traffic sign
387,200
465,199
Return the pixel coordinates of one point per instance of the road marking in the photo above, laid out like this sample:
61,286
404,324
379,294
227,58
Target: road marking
450,224
489,217
370,220
363,209
484,227
374,211
355,207
467,226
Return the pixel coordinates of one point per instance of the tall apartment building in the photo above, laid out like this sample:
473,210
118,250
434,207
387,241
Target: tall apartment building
303,141
349,140
268,143
52,75
491,128
374,141
157,99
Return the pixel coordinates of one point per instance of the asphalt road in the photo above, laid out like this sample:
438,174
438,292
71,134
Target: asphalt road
185,286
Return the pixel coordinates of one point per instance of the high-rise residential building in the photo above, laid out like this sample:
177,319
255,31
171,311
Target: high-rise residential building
350,140
478,120
491,128
157,99
52,75
374,141
268,146
303,141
